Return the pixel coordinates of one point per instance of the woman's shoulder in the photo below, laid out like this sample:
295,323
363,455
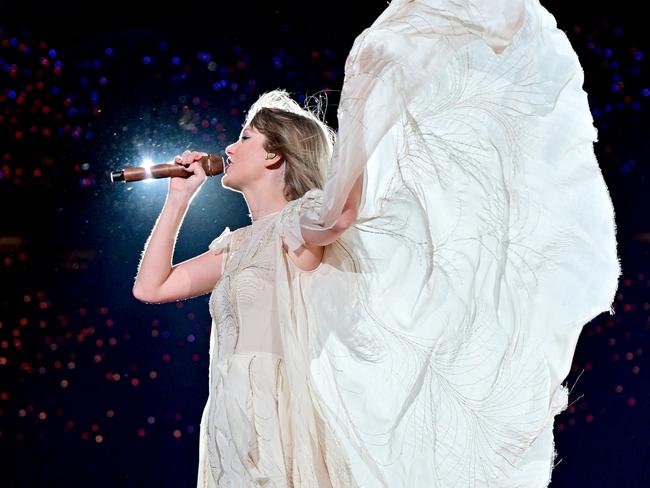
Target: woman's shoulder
312,197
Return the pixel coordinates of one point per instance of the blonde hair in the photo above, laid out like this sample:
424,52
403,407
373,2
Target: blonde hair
298,133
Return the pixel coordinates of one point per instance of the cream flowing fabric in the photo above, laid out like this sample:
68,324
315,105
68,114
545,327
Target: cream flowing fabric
435,336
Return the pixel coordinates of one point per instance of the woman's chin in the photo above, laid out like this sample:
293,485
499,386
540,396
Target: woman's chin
225,182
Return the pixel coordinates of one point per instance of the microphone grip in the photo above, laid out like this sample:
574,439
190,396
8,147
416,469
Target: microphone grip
212,165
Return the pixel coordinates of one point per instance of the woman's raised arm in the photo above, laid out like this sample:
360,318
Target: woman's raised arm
347,218
157,281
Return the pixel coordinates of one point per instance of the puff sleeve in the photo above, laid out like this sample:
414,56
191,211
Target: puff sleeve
301,210
221,243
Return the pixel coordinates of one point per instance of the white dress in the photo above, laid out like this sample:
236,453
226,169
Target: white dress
430,346
246,436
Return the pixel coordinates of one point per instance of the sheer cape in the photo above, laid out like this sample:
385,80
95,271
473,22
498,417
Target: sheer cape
434,338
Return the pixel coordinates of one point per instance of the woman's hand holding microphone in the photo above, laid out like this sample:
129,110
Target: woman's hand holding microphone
188,187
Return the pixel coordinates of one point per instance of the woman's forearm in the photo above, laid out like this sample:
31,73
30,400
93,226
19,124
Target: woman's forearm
351,208
156,263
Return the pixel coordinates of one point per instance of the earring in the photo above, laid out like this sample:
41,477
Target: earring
269,155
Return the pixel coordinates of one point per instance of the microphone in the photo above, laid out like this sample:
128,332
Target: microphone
212,164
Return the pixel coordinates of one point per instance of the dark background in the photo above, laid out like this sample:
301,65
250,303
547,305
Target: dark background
98,389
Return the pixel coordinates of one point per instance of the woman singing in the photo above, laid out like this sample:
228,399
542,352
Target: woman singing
246,436
405,305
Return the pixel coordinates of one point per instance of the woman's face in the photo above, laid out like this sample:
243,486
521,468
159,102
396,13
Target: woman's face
246,159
